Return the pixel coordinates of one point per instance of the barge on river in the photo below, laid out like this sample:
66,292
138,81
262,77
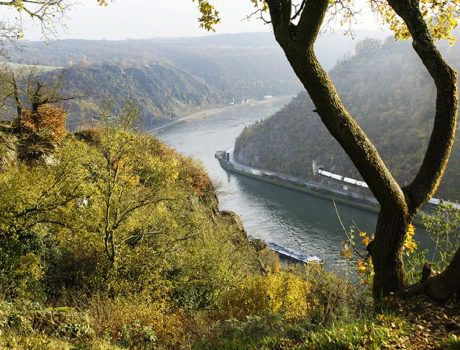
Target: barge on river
330,186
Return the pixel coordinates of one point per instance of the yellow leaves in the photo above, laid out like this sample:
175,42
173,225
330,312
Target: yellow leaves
260,4
366,241
18,5
365,268
411,230
210,17
410,246
280,292
363,264
287,292
441,18
347,252
365,238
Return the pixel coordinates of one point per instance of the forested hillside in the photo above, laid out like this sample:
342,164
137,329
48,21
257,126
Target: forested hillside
331,47
161,91
169,77
391,96
166,78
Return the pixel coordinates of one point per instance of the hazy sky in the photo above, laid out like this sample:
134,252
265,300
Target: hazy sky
154,18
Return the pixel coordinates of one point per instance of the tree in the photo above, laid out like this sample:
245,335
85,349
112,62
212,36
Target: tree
296,26
129,184
40,120
26,87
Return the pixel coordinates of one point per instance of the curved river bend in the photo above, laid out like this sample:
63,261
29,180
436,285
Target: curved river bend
295,220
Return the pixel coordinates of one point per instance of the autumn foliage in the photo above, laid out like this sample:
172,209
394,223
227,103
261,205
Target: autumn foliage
49,120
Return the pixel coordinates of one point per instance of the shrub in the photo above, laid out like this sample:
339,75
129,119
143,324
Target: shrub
49,120
40,132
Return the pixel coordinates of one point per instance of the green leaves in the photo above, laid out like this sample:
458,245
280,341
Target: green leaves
443,226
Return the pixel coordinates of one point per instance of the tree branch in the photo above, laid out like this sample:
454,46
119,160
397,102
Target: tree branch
280,14
310,22
428,178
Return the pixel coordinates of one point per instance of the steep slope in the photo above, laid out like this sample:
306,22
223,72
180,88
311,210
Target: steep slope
388,91
161,91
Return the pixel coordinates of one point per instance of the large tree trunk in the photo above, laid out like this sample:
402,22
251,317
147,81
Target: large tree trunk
297,43
386,252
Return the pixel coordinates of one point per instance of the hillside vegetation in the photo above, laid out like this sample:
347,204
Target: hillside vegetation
391,97
166,78
170,77
111,240
162,92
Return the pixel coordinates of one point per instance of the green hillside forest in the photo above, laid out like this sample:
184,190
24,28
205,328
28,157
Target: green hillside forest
166,78
392,97
111,240
169,77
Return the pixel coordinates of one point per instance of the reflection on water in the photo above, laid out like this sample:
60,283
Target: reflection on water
295,220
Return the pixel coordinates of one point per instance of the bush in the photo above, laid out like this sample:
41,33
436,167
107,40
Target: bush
32,324
40,132
443,226
277,292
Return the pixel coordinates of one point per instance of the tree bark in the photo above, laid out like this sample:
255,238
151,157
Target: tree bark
427,180
16,96
386,252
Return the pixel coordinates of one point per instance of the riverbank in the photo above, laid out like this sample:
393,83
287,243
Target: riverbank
213,111
334,192
317,189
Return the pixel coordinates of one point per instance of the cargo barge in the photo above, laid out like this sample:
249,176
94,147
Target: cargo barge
330,186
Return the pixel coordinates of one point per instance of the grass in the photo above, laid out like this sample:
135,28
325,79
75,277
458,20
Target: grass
453,343
374,333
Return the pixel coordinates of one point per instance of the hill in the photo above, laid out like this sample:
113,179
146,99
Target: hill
391,95
169,77
161,91
331,46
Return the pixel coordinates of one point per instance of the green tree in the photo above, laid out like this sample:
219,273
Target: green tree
296,25
128,183
443,226
35,201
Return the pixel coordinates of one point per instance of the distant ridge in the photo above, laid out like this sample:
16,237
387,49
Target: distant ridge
171,76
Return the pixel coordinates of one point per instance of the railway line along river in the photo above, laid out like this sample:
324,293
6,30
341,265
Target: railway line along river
304,223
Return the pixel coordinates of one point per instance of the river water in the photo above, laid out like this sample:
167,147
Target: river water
298,221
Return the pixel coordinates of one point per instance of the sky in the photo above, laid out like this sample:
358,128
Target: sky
140,19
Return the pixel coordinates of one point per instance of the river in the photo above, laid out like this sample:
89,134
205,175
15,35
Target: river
298,221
